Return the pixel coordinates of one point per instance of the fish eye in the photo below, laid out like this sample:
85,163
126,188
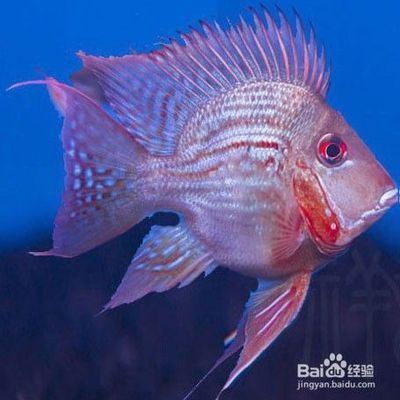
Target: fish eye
332,150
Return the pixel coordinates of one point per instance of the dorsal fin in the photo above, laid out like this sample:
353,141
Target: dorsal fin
154,94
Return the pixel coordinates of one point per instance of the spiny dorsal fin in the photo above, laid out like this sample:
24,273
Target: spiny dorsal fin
155,94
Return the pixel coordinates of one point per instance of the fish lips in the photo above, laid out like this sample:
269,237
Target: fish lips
349,231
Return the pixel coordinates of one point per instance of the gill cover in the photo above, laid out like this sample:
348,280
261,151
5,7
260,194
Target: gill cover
322,223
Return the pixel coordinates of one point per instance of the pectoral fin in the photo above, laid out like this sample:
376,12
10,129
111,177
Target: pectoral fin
169,256
269,310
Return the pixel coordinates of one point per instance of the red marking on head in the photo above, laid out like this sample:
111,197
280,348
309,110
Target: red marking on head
322,222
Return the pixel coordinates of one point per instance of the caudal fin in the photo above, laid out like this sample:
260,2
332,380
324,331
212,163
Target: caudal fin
102,187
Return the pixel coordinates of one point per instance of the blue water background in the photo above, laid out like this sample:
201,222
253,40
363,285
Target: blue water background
39,38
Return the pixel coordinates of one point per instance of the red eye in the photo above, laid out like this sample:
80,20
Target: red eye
332,150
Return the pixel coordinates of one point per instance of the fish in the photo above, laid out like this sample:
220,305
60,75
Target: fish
230,129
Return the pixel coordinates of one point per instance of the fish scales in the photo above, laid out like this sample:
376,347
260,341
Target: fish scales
231,166
254,124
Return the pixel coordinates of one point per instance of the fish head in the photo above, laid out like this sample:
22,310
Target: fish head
340,187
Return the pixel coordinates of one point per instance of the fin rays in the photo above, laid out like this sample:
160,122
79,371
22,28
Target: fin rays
269,310
169,256
155,94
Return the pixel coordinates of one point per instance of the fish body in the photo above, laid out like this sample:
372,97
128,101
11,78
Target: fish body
231,131
230,176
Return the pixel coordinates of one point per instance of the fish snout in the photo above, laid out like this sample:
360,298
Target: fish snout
389,192
389,198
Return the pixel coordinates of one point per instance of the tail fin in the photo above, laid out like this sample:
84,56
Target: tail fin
102,189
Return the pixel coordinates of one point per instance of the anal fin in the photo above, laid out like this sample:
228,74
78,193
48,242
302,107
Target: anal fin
269,310
169,256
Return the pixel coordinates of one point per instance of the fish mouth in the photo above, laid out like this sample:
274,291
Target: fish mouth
387,200
350,232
